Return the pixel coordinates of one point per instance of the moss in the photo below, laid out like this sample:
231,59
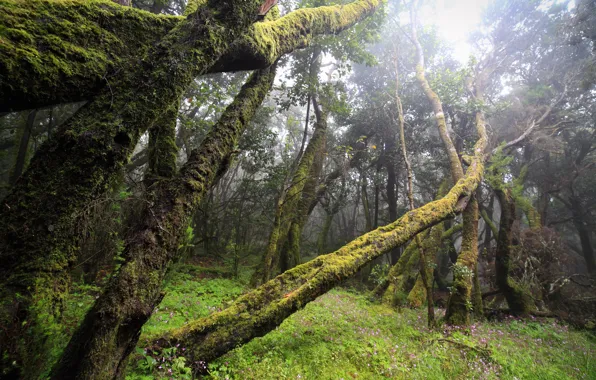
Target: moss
267,41
75,55
489,222
417,296
61,51
163,151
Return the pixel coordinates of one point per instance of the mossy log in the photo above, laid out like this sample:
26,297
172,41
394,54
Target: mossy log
111,329
261,310
56,51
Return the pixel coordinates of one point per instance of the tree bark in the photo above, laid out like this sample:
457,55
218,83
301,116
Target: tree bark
23,148
162,150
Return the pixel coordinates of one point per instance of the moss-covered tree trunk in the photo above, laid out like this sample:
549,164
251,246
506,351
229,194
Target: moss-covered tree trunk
83,158
460,304
519,301
110,330
162,149
303,211
292,206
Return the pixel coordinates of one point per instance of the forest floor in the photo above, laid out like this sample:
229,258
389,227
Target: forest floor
345,335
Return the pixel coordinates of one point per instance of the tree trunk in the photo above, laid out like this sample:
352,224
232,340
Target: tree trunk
292,207
162,149
518,299
458,311
583,231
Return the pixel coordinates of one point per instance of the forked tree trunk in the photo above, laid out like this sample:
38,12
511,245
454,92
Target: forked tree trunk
458,311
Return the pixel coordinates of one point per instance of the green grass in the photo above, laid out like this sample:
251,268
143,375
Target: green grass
343,335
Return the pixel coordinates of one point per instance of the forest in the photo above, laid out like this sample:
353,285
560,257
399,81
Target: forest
297,189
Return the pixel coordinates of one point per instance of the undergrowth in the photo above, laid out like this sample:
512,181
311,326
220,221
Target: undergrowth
343,335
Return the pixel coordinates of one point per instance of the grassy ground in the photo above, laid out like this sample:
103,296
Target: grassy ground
343,335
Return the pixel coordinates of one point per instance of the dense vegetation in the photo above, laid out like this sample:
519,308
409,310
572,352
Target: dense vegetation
183,183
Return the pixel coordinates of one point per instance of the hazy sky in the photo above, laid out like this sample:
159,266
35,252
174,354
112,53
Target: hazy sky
455,19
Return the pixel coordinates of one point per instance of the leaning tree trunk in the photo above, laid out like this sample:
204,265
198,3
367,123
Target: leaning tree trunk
302,212
83,158
261,310
111,329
